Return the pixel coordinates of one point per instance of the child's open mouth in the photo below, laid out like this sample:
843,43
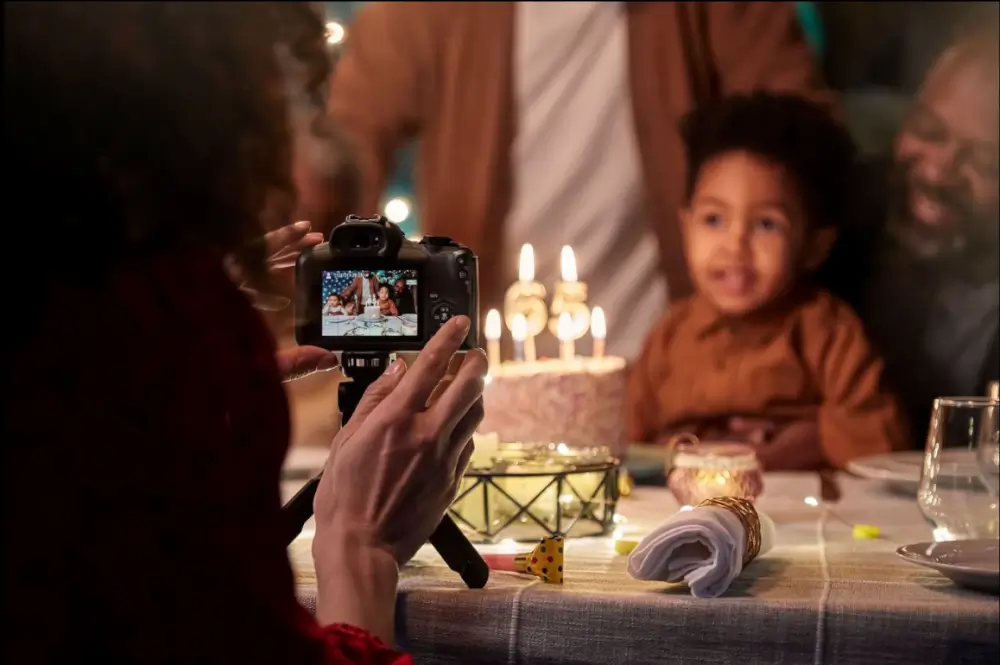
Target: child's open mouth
734,282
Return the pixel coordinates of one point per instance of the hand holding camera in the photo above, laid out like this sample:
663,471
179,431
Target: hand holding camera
367,295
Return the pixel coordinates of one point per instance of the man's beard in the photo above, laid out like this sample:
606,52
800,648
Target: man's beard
971,239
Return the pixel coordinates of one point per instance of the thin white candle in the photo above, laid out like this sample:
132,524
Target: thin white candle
493,330
526,264
599,329
567,348
519,331
567,264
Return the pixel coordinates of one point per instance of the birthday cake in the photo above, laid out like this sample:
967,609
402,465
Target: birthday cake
579,402
371,309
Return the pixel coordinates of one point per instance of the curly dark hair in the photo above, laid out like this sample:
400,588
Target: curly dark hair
154,124
790,131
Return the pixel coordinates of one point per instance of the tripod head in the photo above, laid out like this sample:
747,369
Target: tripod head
363,368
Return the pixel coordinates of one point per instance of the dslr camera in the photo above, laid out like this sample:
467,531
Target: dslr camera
369,290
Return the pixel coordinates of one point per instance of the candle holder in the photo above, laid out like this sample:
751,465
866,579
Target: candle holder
526,492
702,471
570,297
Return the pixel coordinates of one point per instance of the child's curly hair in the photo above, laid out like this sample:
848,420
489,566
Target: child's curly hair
795,133
146,125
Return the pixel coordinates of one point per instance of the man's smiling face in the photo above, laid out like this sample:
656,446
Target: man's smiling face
946,155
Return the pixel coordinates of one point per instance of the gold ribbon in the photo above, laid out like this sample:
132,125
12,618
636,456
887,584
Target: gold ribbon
545,561
747,516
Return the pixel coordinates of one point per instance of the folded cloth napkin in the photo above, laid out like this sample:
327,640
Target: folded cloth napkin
704,547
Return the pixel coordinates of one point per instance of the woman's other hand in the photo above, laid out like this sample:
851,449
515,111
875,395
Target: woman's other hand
282,248
299,362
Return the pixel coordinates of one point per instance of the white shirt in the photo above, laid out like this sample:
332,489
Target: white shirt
577,176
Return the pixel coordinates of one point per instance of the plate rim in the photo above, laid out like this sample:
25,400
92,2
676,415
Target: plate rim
935,565
858,467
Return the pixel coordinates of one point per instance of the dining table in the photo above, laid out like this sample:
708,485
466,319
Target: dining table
819,596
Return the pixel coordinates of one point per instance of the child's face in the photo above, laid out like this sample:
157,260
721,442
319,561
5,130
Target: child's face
383,293
335,301
744,233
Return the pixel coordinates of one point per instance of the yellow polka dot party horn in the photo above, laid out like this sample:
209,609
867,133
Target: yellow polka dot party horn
544,562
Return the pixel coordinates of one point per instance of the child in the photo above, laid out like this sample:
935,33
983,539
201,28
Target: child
758,354
334,306
385,304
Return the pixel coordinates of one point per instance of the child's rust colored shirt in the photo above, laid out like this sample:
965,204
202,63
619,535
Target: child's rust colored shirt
808,359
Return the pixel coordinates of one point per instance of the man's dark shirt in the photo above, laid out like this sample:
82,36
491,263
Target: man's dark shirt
936,325
404,302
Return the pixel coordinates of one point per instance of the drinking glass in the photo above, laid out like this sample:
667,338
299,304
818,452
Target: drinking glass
955,494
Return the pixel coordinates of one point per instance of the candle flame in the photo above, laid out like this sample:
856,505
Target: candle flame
567,264
565,330
598,326
526,265
519,326
493,325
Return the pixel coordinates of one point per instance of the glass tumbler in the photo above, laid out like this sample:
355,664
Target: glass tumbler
955,494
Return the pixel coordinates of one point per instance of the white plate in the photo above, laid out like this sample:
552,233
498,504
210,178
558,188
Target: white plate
336,318
903,468
973,564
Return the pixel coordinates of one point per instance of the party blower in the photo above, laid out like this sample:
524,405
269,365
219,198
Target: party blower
370,296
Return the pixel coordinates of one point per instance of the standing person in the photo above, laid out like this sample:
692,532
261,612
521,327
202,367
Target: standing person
929,293
362,290
555,123
145,422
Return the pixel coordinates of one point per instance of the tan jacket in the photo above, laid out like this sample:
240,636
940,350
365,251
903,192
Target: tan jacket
441,72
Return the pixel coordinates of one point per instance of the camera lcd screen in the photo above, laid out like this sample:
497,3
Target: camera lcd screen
370,303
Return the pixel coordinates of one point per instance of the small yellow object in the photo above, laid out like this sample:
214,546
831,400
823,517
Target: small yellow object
625,483
625,547
545,561
866,532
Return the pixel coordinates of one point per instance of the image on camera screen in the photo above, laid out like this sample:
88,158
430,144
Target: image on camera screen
370,303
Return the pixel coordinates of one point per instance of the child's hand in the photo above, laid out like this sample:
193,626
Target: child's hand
751,430
793,447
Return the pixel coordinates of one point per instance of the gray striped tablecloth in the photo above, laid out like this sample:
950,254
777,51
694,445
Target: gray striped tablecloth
818,597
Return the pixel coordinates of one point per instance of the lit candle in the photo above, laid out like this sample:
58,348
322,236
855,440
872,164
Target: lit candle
567,264
493,338
599,329
570,296
527,298
567,348
519,331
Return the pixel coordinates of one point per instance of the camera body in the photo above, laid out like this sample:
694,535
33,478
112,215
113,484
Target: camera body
370,289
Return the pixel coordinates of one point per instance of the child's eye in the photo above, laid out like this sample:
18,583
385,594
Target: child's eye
768,225
713,219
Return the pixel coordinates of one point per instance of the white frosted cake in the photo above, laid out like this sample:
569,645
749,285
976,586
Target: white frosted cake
371,309
580,403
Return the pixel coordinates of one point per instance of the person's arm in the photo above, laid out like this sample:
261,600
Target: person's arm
858,415
381,89
761,45
641,398
393,310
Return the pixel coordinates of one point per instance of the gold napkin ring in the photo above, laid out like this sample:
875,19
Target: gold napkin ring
747,516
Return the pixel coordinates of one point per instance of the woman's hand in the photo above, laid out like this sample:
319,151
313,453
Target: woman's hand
395,467
299,362
392,473
282,248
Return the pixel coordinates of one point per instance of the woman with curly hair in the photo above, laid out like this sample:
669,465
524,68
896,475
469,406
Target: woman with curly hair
144,418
